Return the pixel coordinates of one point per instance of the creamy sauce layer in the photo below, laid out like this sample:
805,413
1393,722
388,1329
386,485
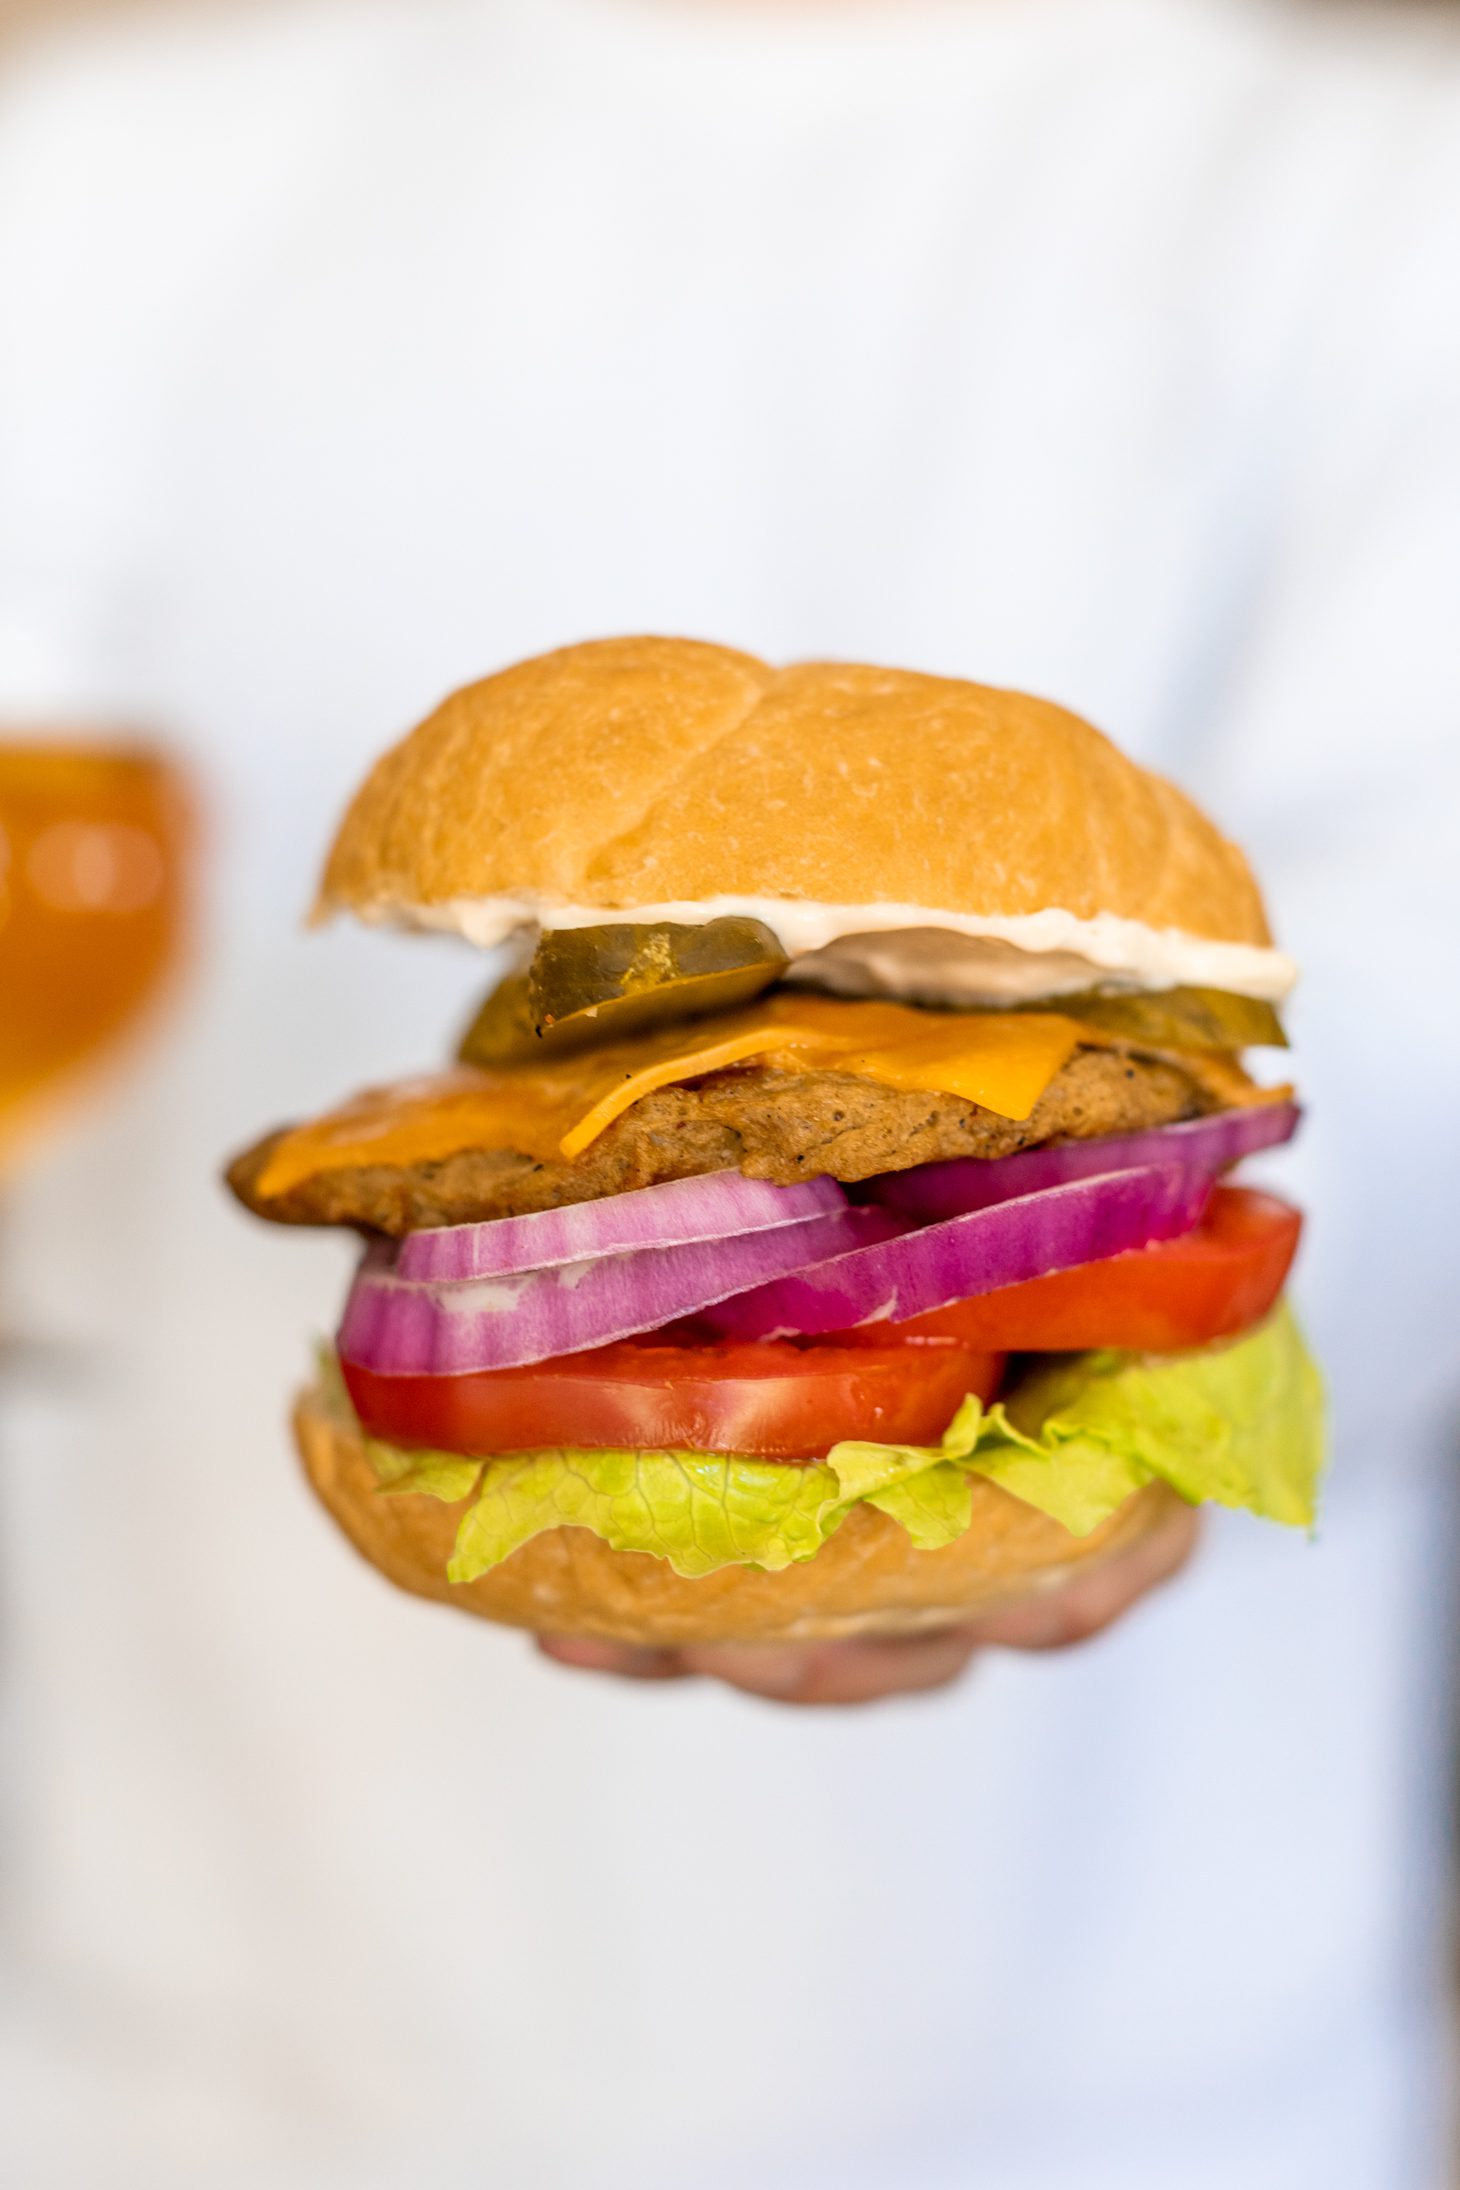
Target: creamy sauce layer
912,951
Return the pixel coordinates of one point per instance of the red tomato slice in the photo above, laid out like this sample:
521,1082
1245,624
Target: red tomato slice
1219,1279
780,1401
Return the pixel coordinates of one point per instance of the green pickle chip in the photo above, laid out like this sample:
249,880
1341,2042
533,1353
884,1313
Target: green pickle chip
1180,1018
502,1033
587,986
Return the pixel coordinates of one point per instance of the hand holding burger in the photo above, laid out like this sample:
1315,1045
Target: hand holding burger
822,1234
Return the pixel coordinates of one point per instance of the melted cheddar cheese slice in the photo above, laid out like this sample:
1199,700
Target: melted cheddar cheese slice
1001,1061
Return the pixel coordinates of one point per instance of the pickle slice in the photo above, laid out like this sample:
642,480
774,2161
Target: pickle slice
502,1033
1181,1018
622,978
587,986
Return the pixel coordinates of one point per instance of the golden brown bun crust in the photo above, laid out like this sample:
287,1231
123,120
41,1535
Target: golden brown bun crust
653,771
867,1580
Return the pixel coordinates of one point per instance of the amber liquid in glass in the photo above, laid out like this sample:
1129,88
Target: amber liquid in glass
93,883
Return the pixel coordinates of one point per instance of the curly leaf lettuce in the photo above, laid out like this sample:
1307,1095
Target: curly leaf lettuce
1240,1424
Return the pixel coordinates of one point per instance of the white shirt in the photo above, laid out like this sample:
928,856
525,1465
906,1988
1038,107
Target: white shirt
1107,349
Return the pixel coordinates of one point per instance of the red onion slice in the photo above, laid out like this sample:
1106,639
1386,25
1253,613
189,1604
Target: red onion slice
401,1328
1208,1145
977,1252
721,1205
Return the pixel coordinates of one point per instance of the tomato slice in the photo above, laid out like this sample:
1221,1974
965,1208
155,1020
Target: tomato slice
1217,1280
770,1398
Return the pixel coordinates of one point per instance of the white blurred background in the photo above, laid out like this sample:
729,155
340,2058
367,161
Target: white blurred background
352,348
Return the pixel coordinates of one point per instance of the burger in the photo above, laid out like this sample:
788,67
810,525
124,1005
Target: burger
826,1226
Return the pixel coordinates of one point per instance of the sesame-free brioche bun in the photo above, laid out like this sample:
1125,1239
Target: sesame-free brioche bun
639,772
866,1580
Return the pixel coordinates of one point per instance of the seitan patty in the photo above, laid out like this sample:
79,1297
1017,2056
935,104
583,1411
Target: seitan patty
781,1126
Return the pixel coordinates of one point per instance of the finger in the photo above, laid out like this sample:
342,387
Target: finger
588,1655
1088,1603
822,1673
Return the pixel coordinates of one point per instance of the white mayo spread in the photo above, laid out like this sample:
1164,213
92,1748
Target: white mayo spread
912,950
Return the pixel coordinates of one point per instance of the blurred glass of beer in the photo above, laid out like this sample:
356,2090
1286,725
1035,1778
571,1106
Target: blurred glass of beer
94,845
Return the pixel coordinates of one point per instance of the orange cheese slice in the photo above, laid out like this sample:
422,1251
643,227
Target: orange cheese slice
420,1121
1001,1061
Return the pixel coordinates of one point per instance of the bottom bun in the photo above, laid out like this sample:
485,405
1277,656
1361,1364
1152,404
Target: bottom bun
866,1580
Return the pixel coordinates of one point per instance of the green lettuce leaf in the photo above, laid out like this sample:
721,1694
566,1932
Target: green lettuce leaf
1240,1424
698,1510
444,1475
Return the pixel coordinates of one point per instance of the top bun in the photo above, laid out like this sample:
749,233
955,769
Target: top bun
642,772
